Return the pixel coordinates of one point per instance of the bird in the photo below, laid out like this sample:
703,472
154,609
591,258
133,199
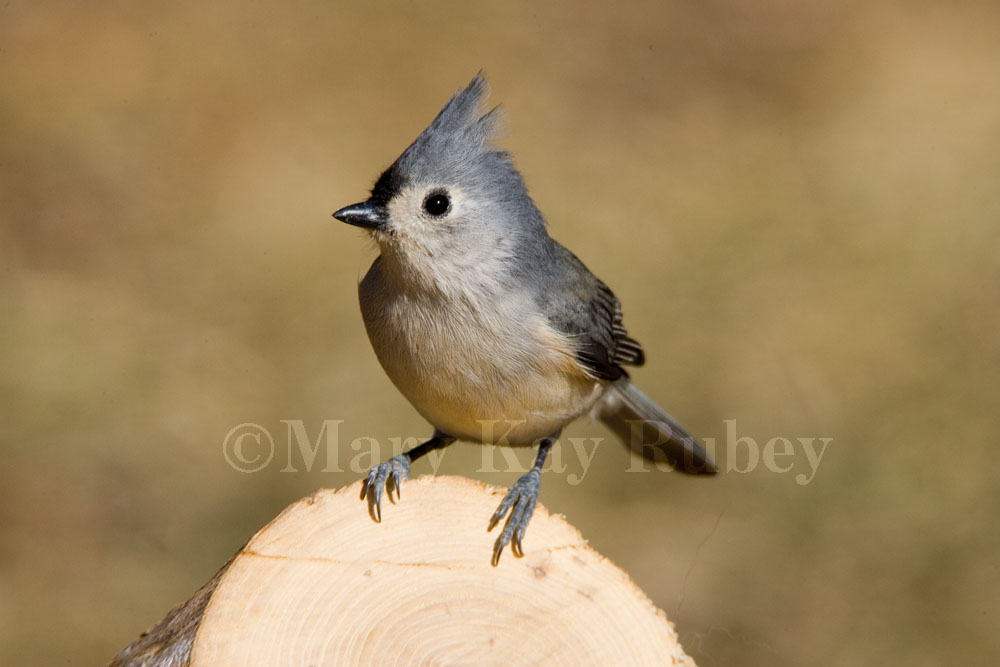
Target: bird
493,330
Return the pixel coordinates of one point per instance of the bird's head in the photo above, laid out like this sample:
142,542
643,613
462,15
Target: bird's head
451,197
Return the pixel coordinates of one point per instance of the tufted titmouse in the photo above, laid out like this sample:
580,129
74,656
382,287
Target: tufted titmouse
494,331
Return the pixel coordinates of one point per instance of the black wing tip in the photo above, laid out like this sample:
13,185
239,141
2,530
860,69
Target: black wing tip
628,351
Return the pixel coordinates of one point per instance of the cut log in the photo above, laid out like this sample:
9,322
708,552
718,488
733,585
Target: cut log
323,584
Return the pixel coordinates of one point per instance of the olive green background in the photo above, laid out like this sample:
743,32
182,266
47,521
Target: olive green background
797,203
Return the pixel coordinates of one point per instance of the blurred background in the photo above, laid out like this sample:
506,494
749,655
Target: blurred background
797,203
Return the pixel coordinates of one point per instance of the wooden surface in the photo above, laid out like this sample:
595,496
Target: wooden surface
322,584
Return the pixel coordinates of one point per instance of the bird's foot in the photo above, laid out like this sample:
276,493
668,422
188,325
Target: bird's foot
522,497
395,470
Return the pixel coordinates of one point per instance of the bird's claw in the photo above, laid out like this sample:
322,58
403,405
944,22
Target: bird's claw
522,497
396,470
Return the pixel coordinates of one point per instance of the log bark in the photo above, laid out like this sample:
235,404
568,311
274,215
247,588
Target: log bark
323,584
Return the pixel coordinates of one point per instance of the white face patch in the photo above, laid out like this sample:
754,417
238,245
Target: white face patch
430,248
409,218
461,251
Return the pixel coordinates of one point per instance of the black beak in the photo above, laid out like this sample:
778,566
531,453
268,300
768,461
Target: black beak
366,214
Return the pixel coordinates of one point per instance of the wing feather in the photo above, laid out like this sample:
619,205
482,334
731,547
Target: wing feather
586,309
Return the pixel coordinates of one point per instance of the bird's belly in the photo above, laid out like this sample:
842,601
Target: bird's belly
504,382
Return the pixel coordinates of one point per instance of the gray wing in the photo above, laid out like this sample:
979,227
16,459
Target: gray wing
587,310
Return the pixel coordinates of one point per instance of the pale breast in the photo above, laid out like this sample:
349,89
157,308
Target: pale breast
484,371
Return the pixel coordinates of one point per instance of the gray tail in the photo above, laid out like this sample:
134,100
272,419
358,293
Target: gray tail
649,431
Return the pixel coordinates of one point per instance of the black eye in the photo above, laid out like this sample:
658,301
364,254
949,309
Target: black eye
437,204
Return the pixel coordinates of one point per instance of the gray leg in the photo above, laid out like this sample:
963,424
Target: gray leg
523,497
396,470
